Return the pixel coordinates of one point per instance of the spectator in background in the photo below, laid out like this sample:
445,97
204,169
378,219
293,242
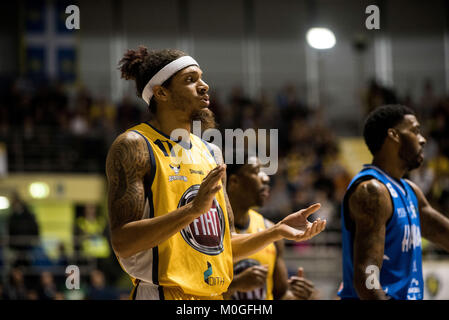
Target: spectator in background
440,166
97,289
269,114
292,112
216,106
102,118
128,114
378,95
237,102
59,296
63,259
23,231
92,242
16,288
91,228
289,103
278,204
248,117
424,177
3,294
428,100
440,125
47,289
79,124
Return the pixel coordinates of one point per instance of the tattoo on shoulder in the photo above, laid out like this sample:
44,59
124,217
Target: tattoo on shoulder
368,199
126,165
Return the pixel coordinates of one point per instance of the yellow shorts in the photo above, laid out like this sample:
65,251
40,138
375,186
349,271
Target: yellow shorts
176,293
147,291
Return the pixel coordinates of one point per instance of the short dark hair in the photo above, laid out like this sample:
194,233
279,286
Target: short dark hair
142,64
379,121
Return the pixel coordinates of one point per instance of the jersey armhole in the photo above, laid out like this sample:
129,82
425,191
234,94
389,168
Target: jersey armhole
148,181
211,151
150,177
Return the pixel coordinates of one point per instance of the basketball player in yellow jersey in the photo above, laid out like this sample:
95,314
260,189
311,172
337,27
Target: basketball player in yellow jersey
170,221
263,275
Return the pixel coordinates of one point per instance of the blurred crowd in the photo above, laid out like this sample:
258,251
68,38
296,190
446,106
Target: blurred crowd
48,128
47,286
28,273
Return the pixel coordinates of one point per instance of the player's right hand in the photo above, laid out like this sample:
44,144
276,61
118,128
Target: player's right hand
209,187
250,279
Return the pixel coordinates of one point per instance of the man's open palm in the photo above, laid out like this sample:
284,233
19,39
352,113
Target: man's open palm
296,226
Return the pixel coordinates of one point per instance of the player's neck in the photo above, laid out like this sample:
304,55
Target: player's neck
389,165
241,216
168,123
241,220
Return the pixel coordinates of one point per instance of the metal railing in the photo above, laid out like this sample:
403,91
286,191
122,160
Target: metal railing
28,252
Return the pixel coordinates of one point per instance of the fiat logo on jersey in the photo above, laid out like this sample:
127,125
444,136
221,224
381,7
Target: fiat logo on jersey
206,232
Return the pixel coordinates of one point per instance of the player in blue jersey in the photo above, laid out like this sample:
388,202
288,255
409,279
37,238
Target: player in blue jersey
384,215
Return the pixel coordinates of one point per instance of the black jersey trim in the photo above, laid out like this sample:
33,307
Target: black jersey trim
168,137
134,292
210,149
149,196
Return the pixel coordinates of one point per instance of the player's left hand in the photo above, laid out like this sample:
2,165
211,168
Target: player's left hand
296,226
300,287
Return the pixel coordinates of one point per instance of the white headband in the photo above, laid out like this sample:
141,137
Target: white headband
165,73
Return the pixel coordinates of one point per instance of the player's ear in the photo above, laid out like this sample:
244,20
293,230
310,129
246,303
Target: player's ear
160,93
393,134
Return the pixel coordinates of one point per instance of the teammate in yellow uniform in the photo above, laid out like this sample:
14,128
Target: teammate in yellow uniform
263,275
170,218
261,265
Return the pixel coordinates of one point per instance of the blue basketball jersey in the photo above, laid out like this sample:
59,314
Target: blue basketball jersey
401,273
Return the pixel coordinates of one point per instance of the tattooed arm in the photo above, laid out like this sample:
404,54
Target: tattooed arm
127,164
434,225
370,208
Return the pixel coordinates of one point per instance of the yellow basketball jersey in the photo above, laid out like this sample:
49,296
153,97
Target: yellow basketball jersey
266,256
198,259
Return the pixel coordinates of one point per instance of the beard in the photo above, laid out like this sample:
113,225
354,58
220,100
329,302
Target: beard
207,118
411,159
